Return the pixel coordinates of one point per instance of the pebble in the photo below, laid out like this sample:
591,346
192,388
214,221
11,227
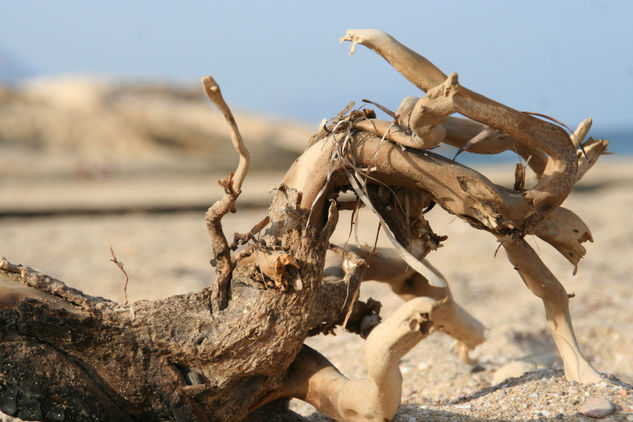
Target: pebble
477,368
597,408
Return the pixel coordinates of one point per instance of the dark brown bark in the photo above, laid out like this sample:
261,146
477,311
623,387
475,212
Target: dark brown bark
65,355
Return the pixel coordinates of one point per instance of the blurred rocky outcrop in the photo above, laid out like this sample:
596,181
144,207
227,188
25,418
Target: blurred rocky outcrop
90,127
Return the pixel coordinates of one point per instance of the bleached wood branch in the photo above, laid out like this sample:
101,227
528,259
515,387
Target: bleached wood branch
559,174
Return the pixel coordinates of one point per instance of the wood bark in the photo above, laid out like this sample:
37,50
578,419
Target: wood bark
70,356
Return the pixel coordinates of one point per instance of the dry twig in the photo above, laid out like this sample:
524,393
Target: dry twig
120,265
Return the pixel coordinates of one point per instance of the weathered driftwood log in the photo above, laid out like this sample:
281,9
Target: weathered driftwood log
189,357
225,351
68,355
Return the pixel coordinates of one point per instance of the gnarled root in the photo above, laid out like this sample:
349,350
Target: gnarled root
314,379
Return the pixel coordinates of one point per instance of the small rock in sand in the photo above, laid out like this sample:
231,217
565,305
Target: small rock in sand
597,408
477,368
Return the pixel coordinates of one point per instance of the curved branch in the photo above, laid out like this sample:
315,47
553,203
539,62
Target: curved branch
417,69
232,189
459,132
540,280
314,379
212,90
559,174
458,189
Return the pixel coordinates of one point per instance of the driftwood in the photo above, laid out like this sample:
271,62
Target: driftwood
237,347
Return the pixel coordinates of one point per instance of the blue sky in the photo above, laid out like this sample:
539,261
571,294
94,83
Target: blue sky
569,59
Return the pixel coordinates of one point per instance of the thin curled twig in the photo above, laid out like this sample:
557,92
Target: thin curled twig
120,265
